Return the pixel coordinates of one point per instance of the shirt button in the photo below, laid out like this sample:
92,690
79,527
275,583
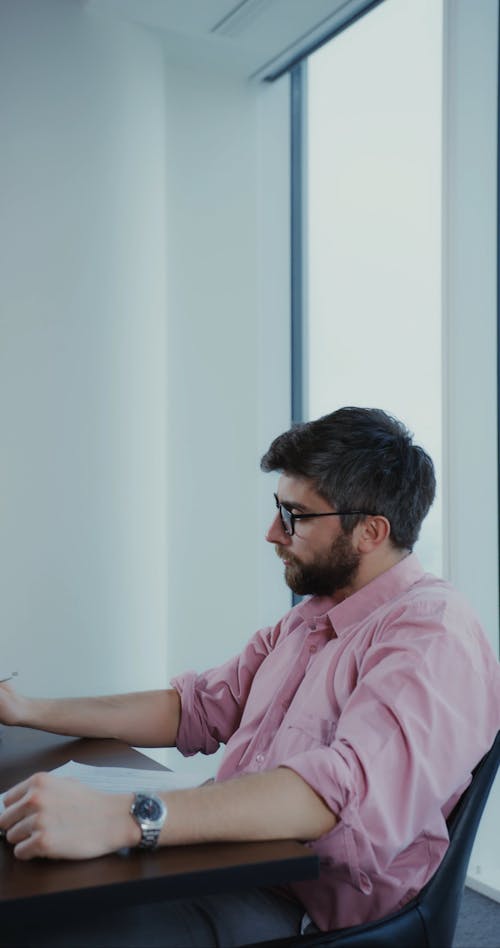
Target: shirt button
259,758
313,648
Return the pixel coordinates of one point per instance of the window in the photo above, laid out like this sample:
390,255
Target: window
372,258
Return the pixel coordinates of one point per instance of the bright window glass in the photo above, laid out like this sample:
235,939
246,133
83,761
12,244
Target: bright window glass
373,166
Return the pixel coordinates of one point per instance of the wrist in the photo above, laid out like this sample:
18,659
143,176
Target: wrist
149,813
124,833
32,712
23,714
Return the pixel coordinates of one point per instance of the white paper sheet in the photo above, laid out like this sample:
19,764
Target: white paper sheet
125,779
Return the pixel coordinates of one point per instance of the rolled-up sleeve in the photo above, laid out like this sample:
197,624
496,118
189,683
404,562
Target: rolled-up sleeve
405,739
212,704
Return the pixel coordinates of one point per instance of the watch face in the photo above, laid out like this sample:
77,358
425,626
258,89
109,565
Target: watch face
148,809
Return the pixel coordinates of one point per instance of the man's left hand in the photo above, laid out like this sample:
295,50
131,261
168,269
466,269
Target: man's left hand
60,818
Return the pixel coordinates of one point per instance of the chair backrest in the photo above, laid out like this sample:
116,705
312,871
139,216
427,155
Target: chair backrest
440,899
430,919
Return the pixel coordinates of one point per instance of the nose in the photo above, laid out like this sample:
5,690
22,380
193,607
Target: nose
276,532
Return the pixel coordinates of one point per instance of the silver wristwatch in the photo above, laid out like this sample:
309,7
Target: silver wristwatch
150,813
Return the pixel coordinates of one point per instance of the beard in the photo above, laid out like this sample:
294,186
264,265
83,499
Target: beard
327,574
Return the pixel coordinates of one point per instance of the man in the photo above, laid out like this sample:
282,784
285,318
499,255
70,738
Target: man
353,724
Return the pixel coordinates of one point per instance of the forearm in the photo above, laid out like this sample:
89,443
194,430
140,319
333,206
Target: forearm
56,818
277,804
146,719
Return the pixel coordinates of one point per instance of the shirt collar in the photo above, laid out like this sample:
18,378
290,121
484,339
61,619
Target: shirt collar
355,608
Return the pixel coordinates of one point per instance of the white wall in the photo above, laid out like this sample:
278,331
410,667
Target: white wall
228,368
143,352
220,362
82,350
470,307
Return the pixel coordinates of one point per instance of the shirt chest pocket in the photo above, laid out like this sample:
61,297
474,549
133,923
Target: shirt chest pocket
310,730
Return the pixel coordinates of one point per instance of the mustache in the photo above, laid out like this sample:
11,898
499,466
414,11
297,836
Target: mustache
284,555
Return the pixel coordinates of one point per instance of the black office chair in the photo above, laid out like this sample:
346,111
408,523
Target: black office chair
430,919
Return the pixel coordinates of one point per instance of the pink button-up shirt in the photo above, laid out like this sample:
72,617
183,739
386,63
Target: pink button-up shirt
383,704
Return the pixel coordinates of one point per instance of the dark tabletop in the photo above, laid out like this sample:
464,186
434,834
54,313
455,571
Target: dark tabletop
132,876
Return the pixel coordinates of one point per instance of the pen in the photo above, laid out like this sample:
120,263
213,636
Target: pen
9,677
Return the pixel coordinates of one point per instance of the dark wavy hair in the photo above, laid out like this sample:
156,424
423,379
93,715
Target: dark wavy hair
361,459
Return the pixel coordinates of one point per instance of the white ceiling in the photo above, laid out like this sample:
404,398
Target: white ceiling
252,38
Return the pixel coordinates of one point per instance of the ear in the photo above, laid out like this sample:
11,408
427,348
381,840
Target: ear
373,532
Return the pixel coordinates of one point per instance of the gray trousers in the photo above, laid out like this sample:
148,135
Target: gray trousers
219,920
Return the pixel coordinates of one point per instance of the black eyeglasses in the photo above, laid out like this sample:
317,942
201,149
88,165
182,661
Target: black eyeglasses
288,518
